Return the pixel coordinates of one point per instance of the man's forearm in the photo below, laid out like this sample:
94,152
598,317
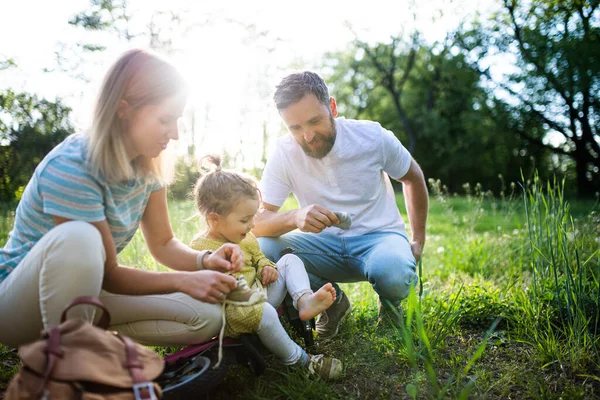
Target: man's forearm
417,205
273,224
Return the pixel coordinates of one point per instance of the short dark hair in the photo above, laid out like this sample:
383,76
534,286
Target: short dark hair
293,87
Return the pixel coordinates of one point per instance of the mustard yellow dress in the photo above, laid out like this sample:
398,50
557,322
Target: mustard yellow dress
241,319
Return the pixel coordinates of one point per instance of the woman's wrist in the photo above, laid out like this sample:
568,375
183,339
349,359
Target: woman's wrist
201,258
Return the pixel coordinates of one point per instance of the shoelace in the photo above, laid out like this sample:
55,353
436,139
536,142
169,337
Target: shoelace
242,284
222,333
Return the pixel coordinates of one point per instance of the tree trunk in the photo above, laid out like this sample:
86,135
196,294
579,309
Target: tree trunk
412,135
585,187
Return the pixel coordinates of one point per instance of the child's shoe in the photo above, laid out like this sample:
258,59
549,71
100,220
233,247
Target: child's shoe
326,368
243,295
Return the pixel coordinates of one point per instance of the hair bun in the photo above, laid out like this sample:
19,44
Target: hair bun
210,163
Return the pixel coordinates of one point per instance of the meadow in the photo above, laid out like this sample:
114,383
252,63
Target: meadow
507,307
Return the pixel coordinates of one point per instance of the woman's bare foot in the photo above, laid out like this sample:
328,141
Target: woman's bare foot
311,305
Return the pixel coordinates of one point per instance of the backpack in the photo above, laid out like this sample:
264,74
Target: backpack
79,360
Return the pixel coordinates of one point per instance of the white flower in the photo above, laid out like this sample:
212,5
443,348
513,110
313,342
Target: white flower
440,249
570,235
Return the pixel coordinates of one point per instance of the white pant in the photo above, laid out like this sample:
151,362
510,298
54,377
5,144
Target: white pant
69,262
276,340
292,279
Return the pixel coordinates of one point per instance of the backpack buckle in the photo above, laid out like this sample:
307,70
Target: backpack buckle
144,391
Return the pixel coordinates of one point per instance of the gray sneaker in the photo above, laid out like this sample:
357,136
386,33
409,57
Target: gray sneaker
329,321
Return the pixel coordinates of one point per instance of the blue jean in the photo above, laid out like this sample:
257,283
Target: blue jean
384,259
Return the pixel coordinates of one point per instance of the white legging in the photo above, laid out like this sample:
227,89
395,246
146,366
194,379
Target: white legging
275,338
292,279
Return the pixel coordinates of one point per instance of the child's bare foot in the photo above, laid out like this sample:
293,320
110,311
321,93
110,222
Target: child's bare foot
311,305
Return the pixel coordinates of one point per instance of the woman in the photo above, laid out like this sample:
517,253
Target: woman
83,205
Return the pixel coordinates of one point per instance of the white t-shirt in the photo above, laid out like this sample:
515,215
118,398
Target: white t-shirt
353,177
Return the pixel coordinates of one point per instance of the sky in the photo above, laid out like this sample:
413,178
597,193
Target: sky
232,53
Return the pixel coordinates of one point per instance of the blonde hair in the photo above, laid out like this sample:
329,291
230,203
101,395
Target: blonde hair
219,190
140,78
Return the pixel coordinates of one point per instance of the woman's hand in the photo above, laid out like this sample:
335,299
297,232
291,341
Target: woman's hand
228,258
207,286
268,275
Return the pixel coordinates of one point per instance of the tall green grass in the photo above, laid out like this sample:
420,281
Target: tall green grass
563,304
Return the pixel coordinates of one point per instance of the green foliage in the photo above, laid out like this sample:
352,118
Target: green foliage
29,128
564,303
556,48
481,305
433,101
187,174
186,171
104,15
9,365
7,63
421,351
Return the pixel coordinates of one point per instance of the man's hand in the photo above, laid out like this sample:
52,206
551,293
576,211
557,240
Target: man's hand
268,275
315,218
417,249
228,258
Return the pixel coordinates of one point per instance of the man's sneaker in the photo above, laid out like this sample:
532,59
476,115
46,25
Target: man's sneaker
243,295
326,368
329,321
388,314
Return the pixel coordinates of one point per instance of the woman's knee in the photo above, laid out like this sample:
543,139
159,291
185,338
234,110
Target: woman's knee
78,245
191,311
208,320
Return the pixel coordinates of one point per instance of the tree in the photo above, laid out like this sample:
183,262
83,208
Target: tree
7,63
556,48
29,128
431,98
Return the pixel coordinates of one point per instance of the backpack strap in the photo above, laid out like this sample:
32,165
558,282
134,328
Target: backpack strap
142,388
53,352
104,320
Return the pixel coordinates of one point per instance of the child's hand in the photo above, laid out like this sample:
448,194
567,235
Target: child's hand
268,275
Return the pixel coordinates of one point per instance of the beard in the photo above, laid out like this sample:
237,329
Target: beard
327,142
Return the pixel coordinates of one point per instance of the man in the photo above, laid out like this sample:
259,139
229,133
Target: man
341,166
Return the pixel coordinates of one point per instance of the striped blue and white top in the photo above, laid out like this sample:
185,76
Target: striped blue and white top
63,185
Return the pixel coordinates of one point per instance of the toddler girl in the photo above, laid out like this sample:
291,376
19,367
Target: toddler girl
229,200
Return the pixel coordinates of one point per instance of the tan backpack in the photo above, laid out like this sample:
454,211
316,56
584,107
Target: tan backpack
78,360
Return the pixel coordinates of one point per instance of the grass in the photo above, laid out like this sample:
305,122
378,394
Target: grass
507,308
